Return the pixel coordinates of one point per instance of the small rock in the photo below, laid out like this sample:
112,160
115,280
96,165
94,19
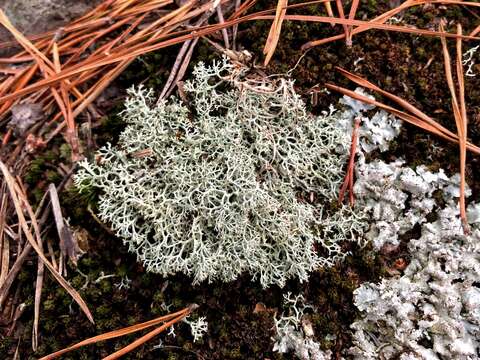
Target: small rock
24,116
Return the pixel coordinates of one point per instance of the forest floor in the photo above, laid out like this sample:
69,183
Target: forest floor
409,66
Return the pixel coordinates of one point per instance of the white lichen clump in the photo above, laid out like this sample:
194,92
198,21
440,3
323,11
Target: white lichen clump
375,132
241,183
198,327
294,332
433,311
397,197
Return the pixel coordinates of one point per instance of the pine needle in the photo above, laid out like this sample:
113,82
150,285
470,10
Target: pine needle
459,113
341,14
387,15
349,176
275,30
20,202
351,16
328,9
170,319
411,119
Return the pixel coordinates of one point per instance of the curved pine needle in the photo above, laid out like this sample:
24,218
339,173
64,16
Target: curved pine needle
403,103
275,29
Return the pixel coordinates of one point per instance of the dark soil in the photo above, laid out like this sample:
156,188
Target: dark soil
398,63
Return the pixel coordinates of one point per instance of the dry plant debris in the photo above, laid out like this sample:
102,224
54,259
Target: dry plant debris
32,231
459,112
349,176
167,320
74,65
120,32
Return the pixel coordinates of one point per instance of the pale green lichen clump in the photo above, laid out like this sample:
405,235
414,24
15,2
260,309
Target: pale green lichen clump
241,183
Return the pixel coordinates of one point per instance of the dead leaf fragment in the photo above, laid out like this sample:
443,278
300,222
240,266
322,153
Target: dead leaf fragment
262,308
259,308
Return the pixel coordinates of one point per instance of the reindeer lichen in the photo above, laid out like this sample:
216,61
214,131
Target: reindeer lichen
242,182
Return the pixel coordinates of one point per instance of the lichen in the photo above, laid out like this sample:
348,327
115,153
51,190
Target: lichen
433,310
226,188
294,332
198,327
397,197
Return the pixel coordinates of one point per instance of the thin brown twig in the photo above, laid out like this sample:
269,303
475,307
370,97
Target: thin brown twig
349,175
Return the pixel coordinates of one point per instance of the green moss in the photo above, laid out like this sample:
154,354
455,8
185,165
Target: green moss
53,177
36,194
173,356
236,353
106,286
50,156
35,171
65,151
49,304
103,311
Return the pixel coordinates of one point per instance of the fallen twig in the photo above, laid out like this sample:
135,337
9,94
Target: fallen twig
68,246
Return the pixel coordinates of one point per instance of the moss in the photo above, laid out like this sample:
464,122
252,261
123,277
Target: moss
48,304
36,194
78,203
35,171
236,353
53,177
110,127
106,286
173,356
103,311
50,156
65,151
228,329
